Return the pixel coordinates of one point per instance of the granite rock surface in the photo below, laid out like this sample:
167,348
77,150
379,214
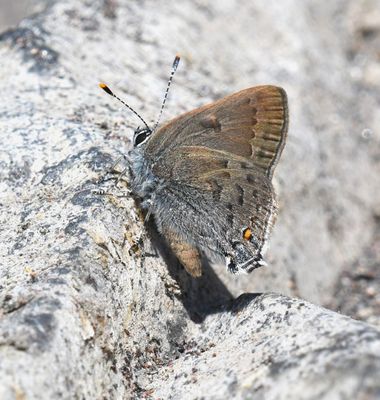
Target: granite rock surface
92,303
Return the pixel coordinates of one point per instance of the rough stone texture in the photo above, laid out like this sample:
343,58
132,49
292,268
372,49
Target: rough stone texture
272,347
91,304
357,292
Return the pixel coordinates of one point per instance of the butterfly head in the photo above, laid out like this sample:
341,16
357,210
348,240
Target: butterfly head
141,136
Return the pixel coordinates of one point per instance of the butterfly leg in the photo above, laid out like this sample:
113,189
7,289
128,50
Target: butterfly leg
187,254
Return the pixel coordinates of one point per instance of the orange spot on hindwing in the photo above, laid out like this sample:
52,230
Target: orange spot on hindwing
247,234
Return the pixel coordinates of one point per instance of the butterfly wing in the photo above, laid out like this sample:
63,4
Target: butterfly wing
217,162
215,197
251,123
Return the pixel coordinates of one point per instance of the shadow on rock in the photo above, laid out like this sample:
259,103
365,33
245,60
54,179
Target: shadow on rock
200,296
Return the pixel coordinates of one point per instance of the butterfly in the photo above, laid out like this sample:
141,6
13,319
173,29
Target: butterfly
206,176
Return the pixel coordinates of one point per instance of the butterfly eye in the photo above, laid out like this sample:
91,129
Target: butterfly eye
247,234
140,138
141,135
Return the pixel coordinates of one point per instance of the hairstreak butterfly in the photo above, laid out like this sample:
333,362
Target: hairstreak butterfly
206,175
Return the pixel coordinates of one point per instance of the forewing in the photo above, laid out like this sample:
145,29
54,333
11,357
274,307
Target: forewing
251,124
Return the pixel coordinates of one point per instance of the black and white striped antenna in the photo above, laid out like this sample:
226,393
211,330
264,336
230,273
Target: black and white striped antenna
150,131
172,72
111,93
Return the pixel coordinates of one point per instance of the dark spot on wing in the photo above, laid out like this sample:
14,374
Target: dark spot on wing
252,149
240,194
211,122
230,219
225,174
216,189
250,178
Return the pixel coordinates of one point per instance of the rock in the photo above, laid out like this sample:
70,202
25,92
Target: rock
357,290
272,347
92,304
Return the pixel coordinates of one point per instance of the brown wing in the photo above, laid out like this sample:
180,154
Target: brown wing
251,124
233,188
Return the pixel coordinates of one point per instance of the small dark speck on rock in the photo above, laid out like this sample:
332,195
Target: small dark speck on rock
34,47
57,281
92,282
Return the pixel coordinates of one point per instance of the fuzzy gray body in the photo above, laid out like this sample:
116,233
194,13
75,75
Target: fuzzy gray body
206,176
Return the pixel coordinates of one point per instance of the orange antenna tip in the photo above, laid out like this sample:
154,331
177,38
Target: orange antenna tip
106,88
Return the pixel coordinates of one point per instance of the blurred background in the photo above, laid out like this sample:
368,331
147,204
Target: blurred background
12,12
326,244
